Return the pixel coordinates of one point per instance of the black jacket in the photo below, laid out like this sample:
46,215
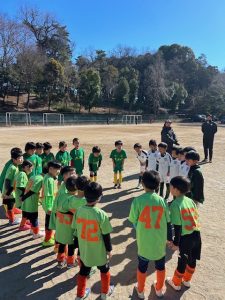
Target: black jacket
168,136
197,184
209,128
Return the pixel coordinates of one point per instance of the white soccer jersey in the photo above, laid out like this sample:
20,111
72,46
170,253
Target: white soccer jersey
142,157
174,168
164,165
184,169
152,160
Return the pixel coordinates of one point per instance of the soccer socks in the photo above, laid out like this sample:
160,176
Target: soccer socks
70,260
95,178
160,278
81,285
105,282
35,230
167,191
61,257
177,278
115,178
11,215
120,177
161,189
23,222
141,278
91,178
188,273
48,235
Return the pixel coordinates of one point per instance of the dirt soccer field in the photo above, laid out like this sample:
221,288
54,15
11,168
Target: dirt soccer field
29,271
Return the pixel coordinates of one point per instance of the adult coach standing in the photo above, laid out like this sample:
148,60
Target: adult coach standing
168,136
209,129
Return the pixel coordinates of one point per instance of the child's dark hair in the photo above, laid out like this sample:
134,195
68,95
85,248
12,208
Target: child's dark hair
92,192
96,149
75,140
54,164
30,146
71,184
176,149
47,146
181,151
192,155
187,149
181,183
15,155
15,149
62,144
66,169
39,146
82,182
137,145
163,145
152,143
119,142
26,163
151,180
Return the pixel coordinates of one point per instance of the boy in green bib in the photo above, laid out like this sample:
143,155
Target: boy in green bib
39,152
63,157
30,155
8,191
118,156
64,216
94,162
48,196
184,217
77,157
150,216
46,156
92,233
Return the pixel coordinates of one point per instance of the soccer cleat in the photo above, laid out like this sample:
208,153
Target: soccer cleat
61,264
38,235
92,272
119,186
87,293
159,293
115,186
49,243
186,283
140,295
210,161
15,222
110,292
205,160
24,227
171,283
70,266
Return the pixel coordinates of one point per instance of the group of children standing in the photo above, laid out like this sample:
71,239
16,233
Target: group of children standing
80,231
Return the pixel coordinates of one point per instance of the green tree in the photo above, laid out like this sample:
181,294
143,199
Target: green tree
133,84
122,92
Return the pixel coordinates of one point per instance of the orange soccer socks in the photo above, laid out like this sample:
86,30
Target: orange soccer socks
81,285
48,235
11,215
177,278
105,282
188,273
160,279
141,278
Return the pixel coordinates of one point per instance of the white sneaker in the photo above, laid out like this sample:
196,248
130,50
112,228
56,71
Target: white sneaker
186,283
159,293
38,235
110,292
170,282
87,293
140,295
15,222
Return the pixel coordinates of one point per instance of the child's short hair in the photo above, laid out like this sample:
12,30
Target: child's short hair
137,145
66,169
15,155
176,149
118,143
47,146
151,179
15,149
187,149
193,155
152,143
39,146
30,146
92,192
26,163
163,145
75,140
54,164
81,183
181,183
62,144
96,149
71,184
181,151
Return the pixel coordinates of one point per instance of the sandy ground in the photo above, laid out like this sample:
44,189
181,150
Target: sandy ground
28,270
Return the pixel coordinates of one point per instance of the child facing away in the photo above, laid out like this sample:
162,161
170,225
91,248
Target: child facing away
175,163
48,196
8,191
39,152
118,156
63,157
46,156
142,158
195,175
30,200
152,159
164,161
150,216
65,210
92,230
94,162
77,157
184,217
30,155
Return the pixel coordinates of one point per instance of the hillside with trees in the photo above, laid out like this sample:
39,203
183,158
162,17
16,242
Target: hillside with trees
38,69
